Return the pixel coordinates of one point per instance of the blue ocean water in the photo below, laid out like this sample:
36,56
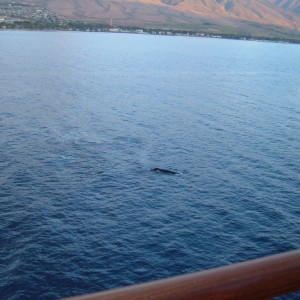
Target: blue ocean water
84,117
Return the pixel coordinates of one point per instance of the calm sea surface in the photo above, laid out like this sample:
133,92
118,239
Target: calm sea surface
84,117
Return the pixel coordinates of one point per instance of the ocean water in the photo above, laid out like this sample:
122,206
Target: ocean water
84,117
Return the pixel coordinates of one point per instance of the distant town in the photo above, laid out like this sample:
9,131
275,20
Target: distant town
24,16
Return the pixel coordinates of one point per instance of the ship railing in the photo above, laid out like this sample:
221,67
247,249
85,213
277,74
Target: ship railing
261,278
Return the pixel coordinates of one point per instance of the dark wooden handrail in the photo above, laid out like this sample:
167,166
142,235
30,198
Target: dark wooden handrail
261,278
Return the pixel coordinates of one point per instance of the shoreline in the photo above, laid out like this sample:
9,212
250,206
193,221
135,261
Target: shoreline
162,32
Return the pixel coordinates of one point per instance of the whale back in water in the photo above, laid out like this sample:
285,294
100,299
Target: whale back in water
164,171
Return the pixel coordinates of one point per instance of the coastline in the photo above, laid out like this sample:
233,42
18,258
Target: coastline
161,32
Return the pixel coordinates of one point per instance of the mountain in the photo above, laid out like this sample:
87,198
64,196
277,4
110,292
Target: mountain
219,16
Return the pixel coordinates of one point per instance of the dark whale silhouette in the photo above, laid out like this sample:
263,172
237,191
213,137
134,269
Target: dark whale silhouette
165,171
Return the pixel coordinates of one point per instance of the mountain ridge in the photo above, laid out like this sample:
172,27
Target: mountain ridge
243,16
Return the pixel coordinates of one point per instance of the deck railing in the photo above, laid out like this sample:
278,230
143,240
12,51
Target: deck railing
261,278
